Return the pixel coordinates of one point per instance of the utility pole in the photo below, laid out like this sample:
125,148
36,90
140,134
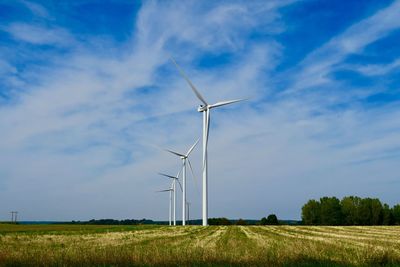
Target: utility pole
12,216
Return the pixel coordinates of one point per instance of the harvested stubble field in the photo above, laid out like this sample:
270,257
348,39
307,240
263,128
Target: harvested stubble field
83,245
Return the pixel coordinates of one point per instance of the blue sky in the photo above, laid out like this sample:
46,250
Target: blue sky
87,94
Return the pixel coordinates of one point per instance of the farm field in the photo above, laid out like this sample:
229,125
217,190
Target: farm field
88,245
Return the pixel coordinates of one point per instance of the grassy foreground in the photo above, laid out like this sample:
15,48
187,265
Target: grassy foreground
84,245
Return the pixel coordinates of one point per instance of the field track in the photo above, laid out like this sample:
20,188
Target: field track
80,245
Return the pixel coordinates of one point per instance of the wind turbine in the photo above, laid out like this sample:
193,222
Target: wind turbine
185,159
173,189
205,108
170,190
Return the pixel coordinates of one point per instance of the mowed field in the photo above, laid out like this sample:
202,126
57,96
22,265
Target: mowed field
84,245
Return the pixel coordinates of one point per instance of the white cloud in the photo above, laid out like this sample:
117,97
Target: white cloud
36,9
39,35
314,69
376,69
212,28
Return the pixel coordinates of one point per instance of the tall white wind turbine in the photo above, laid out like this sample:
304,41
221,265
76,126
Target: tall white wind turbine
173,190
205,108
185,160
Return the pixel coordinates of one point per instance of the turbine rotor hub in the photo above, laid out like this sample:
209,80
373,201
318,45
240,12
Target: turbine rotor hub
201,108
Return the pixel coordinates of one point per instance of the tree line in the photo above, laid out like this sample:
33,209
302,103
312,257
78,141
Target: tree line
351,210
113,222
270,220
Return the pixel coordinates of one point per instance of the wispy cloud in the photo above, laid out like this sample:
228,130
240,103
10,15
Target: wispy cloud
315,68
38,35
376,69
36,9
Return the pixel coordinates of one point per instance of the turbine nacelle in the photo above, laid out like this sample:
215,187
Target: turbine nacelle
182,155
202,108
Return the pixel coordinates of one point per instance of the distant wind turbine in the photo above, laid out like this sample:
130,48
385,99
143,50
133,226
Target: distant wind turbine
205,108
172,190
185,160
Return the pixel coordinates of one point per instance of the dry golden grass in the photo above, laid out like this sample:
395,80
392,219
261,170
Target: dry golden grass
77,245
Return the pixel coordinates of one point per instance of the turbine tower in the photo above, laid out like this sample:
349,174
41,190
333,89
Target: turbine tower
205,108
188,209
173,189
185,160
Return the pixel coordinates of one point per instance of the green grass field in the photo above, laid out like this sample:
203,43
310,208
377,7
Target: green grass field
86,245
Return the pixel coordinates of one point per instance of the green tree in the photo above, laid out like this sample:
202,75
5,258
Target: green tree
388,218
376,212
263,221
365,216
350,206
371,211
396,214
272,220
331,211
311,212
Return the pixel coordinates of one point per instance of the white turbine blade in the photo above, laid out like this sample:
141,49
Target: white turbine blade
223,103
199,96
175,153
180,185
179,173
194,177
190,149
166,190
166,175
